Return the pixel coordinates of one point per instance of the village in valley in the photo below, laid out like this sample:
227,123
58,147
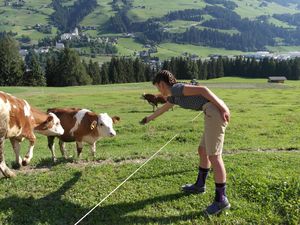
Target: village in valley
144,55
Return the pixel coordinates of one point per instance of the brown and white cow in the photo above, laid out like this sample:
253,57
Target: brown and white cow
154,99
81,125
18,120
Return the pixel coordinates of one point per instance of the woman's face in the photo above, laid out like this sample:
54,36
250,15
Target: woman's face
163,88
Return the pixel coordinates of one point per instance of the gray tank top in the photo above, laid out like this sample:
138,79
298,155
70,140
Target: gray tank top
188,102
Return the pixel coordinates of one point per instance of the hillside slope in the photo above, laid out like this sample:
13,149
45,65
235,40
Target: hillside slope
223,24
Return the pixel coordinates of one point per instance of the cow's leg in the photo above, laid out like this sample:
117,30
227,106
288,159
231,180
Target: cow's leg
62,147
79,146
29,154
3,167
93,149
51,146
16,146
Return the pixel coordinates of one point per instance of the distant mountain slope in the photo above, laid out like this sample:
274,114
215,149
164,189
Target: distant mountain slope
230,24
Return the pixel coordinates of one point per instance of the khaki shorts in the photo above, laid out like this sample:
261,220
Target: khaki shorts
214,130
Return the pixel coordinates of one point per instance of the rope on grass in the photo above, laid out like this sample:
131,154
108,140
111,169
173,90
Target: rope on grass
131,175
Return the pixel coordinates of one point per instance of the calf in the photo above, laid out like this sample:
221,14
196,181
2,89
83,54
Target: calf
154,99
18,120
81,125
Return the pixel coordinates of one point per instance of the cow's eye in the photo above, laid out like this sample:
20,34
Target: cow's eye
101,124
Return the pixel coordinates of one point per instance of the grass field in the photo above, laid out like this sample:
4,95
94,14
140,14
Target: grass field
144,10
261,154
283,49
253,9
167,50
128,47
100,15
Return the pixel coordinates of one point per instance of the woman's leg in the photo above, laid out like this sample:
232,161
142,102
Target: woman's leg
218,168
215,128
204,165
203,158
220,202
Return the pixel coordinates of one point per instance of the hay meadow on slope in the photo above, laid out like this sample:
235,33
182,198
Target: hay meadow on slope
261,155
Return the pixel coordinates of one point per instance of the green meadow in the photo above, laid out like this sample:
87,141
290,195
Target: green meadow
254,9
261,154
128,47
168,50
143,10
100,15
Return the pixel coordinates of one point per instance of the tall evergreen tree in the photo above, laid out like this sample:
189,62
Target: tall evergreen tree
11,64
35,75
139,70
295,73
211,69
204,71
72,71
283,68
253,68
194,70
52,70
112,70
104,73
66,69
93,70
219,67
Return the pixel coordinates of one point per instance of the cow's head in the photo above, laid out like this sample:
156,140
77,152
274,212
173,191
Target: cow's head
143,96
105,125
50,127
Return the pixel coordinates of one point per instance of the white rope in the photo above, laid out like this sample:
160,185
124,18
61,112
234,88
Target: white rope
197,116
131,175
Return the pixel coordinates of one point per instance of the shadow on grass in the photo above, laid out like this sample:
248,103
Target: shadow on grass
163,174
121,213
48,162
140,111
55,209
51,209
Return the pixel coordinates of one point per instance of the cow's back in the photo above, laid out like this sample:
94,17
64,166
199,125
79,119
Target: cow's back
76,123
67,120
4,114
15,115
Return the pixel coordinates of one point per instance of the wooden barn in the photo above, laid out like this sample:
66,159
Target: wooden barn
276,79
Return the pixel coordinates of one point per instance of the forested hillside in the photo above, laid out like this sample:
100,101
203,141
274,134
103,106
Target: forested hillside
79,42
65,68
229,24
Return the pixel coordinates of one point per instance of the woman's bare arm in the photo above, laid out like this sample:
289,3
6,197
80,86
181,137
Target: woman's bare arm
158,112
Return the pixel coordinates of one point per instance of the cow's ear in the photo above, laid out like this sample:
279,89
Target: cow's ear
115,119
49,119
49,122
93,125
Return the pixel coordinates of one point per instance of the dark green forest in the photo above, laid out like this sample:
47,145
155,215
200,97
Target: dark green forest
67,18
252,35
65,68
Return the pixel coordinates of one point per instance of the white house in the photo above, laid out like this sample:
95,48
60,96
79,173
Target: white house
69,36
59,45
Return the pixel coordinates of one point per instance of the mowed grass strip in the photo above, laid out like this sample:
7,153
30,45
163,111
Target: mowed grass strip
260,154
